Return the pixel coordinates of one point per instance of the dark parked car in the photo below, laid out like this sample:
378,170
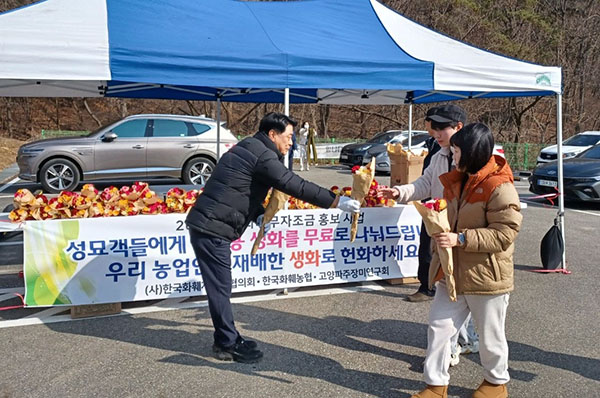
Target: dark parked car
353,154
138,146
581,177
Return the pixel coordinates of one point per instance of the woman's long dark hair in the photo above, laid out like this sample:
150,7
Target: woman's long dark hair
476,144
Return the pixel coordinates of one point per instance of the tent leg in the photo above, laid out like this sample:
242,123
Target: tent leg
286,107
561,197
410,113
218,127
286,101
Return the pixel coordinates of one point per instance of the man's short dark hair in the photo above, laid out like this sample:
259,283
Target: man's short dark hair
275,121
476,144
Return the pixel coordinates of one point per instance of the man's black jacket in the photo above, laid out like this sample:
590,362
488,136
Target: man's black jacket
234,193
432,147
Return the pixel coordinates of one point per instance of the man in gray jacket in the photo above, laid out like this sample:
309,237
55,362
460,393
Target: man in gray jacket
445,122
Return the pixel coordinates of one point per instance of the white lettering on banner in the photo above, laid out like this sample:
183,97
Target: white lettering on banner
325,151
118,259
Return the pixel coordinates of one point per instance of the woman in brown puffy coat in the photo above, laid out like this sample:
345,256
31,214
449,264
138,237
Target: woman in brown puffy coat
484,214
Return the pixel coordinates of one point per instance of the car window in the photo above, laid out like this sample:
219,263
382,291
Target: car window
199,128
583,140
131,129
416,139
592,153
170,128
383,138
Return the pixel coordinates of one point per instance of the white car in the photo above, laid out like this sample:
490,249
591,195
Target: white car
571,147
382,162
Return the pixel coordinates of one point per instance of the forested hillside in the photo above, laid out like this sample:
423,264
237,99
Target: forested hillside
552,32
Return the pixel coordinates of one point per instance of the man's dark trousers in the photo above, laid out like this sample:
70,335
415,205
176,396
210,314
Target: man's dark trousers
424,260
214,259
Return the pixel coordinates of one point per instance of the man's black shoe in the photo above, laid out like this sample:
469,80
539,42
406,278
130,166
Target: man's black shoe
239,352
248,343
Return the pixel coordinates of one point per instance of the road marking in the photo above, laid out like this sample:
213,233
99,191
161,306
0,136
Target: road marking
50,315
48,312
20,290
10,243
586,212
8,184
8,296
556,208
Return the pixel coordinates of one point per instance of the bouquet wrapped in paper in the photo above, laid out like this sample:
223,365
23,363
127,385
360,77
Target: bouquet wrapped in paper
23,198
96,209
81,205
276,203
89,191
175,200
64,204
435,218
362,177
38,207
158,207
19,215
189,199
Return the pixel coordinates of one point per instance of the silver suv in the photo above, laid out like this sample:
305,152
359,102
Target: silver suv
138,146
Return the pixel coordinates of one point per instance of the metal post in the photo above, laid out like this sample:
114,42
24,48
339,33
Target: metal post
218,126
410,125
286,107
561,197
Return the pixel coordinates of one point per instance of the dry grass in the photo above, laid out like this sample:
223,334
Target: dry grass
8,151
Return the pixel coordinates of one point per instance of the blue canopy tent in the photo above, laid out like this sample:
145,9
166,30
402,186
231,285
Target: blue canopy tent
312,51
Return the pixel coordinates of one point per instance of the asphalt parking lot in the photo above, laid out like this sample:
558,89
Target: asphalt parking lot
356,340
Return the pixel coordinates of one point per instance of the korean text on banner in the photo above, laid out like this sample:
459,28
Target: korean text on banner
103,260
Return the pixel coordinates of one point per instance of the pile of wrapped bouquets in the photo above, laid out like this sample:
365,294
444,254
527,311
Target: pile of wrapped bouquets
132,200
89,202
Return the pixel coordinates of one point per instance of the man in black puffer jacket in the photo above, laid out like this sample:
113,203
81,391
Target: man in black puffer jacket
231,199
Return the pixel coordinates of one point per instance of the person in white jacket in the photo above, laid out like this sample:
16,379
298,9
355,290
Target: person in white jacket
445,122
302,139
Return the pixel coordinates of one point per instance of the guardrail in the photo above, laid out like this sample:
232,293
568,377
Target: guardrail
521,156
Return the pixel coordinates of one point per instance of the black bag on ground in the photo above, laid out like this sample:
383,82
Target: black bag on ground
552,247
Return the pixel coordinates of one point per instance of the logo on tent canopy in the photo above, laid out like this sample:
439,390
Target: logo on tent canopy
542,79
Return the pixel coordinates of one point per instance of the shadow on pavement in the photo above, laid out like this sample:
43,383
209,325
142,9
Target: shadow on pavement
194,349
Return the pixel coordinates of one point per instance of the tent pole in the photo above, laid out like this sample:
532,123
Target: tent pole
218,126
286,110
410,112
559,157
286,101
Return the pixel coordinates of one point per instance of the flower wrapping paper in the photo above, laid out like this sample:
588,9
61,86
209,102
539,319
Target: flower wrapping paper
361,184
435,218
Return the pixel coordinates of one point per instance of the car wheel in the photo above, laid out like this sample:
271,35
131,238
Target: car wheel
197,171
59,175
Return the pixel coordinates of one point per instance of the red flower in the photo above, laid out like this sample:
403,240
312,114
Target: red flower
355,169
